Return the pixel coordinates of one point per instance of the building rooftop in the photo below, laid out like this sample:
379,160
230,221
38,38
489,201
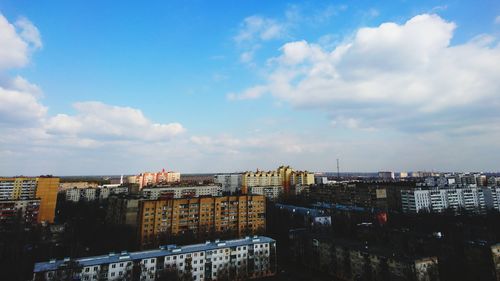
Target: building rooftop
162,251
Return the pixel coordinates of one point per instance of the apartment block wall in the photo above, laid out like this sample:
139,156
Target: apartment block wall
239,214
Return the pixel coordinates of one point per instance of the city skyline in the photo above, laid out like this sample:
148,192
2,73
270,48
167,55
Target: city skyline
198,87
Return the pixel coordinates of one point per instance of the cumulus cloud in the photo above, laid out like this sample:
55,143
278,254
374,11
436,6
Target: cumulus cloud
17,43
392,75
100,121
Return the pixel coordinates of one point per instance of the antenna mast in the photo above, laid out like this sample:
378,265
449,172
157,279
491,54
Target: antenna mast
338,169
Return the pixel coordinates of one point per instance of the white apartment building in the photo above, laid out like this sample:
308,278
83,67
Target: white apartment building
439,199
230,182
72,195
271,192
154,193
248,258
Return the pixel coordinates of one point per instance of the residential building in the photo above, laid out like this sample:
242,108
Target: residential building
351,260
239,259
22,210
284,176
202,216
43,188
386,175
80,184
435,199
123,209
353,194
181,191
271,192
148,178
230,182
72,195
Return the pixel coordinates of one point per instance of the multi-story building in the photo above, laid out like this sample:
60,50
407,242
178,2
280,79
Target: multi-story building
123,209
25,210
435,199
230,182
157,178
181,191
240,259
284,176
352,194
271,192
241,215
79,184
351,260
386,175
42,188
72,195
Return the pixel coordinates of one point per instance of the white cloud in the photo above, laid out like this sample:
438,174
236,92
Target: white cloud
497,20
99,121
259,28
29,32
392,75
250,93
19,107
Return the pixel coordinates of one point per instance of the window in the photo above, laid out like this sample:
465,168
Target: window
113,266
87,269
121,264
153,260
112,274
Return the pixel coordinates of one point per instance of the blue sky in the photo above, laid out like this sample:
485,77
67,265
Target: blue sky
213,86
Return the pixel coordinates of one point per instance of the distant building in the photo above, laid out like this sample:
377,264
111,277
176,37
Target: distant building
271,192
355,194
92,194
386,175
230,182
244,214
238,259
181,191
284,176
157,178
439,199
80,184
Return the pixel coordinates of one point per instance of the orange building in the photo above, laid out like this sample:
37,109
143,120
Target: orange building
46,191
28,188
244,214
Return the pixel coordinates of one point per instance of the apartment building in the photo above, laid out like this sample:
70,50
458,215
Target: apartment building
239,259
351,260
284,176
25,209
28,188
352,194
181,191
148,178
123,209
270,192
229,182
439,199
242,215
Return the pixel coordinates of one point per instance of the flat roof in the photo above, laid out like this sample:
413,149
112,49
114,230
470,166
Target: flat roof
167,250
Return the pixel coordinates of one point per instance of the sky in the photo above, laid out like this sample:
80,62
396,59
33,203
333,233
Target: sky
106,87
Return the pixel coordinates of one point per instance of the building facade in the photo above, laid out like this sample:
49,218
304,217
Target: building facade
416,200
25,188
229,182
241,215
284,176
148,178
241,259
154,193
